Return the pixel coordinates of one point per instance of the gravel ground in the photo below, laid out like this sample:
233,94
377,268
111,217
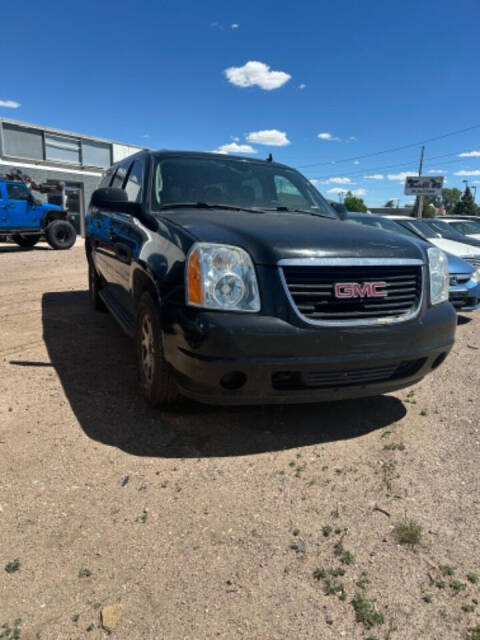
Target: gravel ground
206,522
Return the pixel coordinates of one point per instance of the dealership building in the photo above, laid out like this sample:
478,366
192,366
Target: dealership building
72,160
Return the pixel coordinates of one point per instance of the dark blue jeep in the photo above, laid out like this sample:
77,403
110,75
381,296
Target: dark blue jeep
27,219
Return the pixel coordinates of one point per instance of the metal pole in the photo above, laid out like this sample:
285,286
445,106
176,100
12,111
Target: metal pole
475,192
420,198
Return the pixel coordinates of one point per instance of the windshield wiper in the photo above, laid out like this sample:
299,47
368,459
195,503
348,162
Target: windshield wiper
207,205
294,210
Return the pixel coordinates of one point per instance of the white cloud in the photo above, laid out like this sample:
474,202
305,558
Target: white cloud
146,135
327,136
235,25
233,147
402,175
338,180
356,162
374,176
271,137
469,154
9,104
302,86
437,171
352,139
314,181
256,73
476,172
355,192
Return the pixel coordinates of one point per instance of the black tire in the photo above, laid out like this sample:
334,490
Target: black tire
94,286
155,376
61,234
26,241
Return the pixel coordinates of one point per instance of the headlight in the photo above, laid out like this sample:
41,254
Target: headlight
439,280
220,276
476,275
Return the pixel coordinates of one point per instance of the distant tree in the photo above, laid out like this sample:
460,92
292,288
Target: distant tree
450,197
428,210
389,204
466,206
354,204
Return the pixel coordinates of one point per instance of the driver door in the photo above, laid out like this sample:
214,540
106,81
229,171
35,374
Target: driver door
19,208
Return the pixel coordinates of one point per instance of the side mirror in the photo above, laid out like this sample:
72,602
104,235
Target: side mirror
340,209
112,199
116,200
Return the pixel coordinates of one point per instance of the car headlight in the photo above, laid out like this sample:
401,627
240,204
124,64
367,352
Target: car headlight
439,279
220,276
476,275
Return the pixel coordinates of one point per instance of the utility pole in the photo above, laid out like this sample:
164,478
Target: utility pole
420,198
475,192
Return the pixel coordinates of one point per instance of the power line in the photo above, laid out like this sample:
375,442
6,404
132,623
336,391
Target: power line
390,166
392,150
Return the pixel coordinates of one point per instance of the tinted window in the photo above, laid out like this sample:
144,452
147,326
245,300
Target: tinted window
17,192
62,149
107,178
420,228
234,182
134,183
378,223
23,143
120,175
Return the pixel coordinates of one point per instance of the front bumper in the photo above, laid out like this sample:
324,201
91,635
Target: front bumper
234,359
465,297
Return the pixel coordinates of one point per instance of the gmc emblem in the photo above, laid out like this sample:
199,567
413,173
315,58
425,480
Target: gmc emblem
357,290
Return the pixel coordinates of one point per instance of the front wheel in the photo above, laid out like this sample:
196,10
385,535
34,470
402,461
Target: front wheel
61,234
26,241
155,376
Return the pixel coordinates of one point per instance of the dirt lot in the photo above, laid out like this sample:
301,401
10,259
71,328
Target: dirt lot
210,523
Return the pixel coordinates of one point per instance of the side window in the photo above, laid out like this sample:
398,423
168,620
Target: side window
17,192
107,176
120,173
288,194
134,183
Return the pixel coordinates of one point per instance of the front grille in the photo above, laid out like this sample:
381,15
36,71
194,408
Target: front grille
327,379
312,291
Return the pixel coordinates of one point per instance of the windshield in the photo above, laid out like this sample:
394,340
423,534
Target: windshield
466,226
420,228
234,182
444,229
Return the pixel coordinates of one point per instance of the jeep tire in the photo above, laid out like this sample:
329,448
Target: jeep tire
155,375
26,241
60,234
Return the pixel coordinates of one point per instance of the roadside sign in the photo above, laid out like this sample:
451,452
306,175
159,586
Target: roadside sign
423,185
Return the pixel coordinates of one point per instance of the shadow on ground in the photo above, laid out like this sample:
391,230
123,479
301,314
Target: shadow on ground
14,248
463,319
95,363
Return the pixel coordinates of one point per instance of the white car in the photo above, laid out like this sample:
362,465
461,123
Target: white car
465,227
465,251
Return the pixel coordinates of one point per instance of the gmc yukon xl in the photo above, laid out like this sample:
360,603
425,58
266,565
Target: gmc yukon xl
241,285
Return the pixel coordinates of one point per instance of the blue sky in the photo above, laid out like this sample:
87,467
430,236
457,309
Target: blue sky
368,75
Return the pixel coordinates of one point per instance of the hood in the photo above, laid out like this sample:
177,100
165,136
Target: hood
457,248
272,236
475,236
457,265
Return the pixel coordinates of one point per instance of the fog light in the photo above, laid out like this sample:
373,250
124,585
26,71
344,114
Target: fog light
233,380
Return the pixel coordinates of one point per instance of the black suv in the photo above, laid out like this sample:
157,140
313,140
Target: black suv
241,285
